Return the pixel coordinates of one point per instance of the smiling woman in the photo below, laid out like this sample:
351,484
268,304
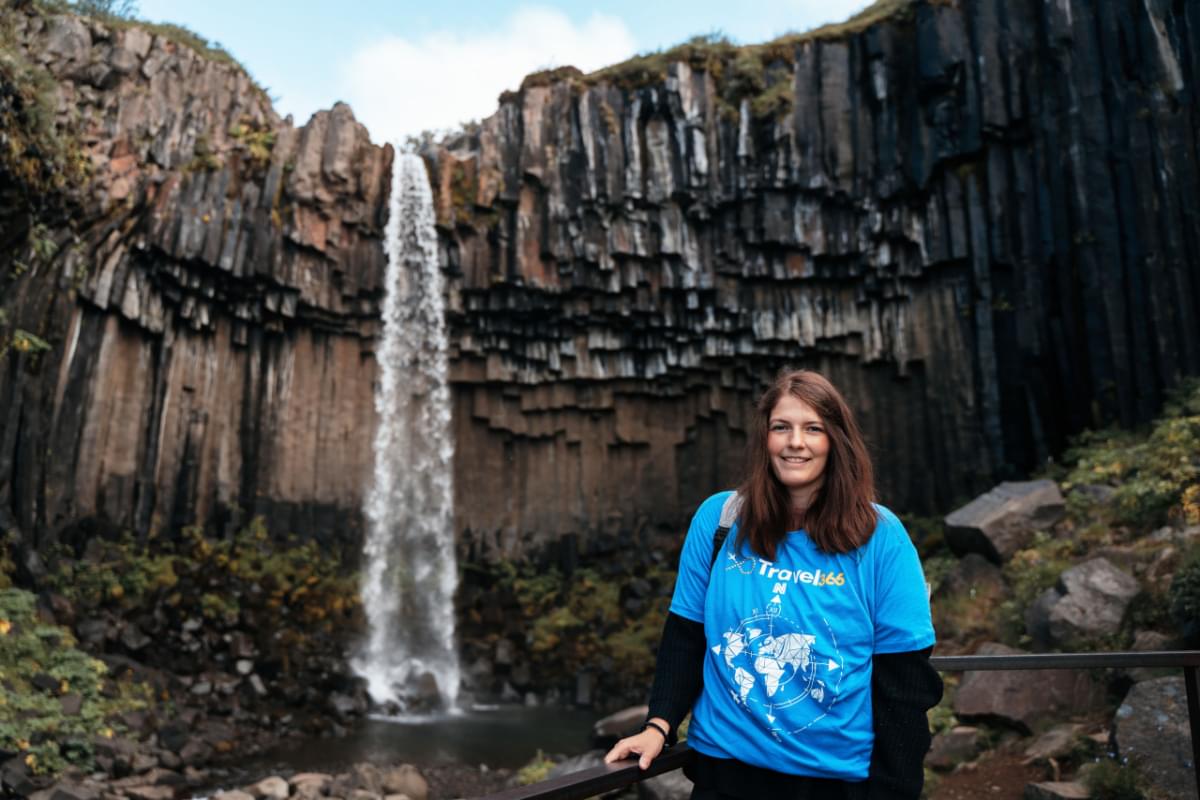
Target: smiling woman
802,648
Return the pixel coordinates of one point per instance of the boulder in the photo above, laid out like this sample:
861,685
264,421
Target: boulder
953,747
272,788
1002,521
405,779
1023,698
1055,743
1151,730
1089,601
233,794
1056,790
367,777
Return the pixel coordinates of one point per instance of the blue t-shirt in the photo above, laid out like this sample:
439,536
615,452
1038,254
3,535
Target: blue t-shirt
787,672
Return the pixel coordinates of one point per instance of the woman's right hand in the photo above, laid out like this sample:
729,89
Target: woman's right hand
647,745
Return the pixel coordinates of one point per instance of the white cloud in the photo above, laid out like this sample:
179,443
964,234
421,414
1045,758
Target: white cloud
399,86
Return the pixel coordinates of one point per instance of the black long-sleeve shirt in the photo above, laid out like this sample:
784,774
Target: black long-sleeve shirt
903,687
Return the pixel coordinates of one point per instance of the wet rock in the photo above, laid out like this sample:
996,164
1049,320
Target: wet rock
1056,790
272,788
405,779
133,637
1002,521
608,730
233,794
673,785
196,752
1151,728
67,790
174,735
149,792
1023,698
367,777
951,748
310,785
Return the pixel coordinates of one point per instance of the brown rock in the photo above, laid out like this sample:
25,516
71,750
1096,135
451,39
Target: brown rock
1022,698
1056,790
951,748
405,779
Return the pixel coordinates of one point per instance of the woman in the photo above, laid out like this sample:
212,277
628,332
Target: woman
803,641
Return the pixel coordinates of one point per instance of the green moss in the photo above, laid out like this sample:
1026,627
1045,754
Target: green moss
32,720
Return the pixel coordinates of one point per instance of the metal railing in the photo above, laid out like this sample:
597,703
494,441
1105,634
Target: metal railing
610,777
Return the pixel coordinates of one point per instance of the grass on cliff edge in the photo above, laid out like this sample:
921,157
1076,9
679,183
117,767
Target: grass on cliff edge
123,14
759,73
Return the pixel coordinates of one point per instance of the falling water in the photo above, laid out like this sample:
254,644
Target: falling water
410,573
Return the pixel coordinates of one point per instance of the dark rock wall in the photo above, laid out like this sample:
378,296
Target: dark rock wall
211,302
978,218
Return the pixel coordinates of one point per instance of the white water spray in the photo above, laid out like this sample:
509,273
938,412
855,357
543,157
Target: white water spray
410,573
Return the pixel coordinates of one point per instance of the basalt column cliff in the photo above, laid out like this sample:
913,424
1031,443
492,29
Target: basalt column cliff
209,289
979,218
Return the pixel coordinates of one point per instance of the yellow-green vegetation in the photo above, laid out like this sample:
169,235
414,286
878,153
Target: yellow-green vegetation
537,770
37,154
42,677
256,141
1156,475
761,73
123,15
579,623
294,591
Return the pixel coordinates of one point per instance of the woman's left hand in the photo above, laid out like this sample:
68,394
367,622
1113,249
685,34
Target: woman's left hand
647,745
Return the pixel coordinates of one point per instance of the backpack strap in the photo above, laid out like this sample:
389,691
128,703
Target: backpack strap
729,515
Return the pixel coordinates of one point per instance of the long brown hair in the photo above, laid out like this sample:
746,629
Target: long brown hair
841,517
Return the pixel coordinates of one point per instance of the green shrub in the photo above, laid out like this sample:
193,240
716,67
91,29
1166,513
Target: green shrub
1109,780
32,720
1185,594
1156,475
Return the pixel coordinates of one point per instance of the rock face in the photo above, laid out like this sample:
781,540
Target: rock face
976,219
1151,728
212,308
1089,601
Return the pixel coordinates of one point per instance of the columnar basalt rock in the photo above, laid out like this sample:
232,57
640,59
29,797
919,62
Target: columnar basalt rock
974,217
212,304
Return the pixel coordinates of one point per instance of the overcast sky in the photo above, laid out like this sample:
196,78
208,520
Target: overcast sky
405,67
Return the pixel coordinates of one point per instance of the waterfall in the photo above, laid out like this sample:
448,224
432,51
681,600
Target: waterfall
410,570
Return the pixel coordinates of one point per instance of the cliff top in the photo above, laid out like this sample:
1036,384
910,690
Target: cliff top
745,68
